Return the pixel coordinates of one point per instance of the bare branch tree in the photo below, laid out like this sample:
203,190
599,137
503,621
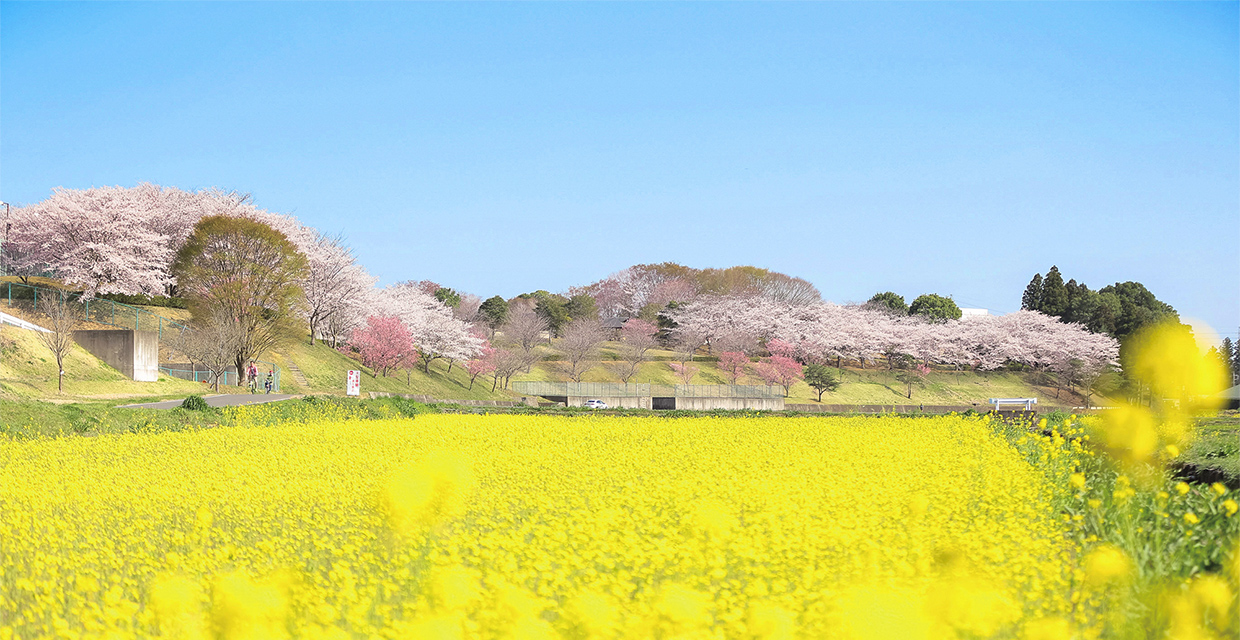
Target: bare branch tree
524,327
637,338
507,363
61,318
213,342
580,346
686,344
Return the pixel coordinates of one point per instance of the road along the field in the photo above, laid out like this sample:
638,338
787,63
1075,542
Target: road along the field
221,400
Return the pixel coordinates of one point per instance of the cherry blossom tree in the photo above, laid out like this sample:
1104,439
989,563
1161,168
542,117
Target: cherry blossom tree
779,370
334,283
733,364
506,363
481,364
684,370
467,309
434,331
524,326
384,343
105,239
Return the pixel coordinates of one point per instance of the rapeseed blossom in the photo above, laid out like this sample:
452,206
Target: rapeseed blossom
458,526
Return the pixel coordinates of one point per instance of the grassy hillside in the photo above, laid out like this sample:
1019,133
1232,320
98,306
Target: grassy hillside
860,386
28,370
325,368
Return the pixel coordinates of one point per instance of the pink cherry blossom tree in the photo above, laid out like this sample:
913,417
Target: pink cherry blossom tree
482,363
384,343
684,370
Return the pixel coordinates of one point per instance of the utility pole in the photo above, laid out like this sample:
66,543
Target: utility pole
4,271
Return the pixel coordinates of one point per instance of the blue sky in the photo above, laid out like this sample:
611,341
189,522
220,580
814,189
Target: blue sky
955,148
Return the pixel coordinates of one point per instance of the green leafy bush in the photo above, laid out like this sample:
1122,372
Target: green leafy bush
195,403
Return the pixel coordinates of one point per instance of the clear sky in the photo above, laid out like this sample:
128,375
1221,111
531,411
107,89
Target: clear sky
502,148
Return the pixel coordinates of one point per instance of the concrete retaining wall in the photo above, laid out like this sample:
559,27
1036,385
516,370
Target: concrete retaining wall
425,399
733,404
627,402
134,353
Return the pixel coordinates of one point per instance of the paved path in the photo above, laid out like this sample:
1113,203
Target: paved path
222,400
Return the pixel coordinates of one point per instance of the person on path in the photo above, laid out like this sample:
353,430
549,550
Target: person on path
251,372
270,381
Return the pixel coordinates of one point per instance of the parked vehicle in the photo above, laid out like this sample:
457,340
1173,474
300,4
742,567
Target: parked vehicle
595,404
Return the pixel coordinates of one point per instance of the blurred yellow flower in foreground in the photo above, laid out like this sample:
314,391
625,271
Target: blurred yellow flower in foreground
429,491
1168,359
1106,564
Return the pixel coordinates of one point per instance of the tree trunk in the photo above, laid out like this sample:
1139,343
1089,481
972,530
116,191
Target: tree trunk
312,328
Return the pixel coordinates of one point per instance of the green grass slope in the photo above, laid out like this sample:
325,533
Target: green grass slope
324,370
28,370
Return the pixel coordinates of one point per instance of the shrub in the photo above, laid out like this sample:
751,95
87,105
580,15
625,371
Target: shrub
195,403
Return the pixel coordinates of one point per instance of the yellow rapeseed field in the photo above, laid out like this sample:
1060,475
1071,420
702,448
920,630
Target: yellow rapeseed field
461,526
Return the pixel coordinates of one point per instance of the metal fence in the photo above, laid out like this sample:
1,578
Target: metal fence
118,314
97,310
621,390
227,378
728,391
596,389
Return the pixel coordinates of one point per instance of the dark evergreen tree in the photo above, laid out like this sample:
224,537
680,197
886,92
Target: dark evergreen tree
494,312
1138,307
1054,294
1228,353
889,301
934,307
1032,300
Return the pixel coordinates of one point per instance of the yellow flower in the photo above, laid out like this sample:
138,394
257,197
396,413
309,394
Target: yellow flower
1219,488
1094,503
1230,507
1106,564
1168,359
245,609
1182,488
1191,518
1054,628
1172,451
1077,480
1129,433
682,608
768,621
1213,594
434,489
595,614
